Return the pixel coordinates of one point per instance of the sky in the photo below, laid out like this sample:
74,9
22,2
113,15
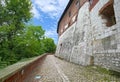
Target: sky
46,13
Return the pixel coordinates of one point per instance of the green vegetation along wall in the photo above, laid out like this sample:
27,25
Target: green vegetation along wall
18,40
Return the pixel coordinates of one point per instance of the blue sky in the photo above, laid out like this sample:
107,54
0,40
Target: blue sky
46,14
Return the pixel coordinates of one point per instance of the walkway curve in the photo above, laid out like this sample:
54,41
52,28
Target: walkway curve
53,69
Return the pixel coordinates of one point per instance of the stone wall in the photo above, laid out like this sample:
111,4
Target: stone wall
81,37
90,40
73,43
65,43
105,39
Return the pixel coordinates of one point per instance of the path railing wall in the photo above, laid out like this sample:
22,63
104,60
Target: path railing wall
19,71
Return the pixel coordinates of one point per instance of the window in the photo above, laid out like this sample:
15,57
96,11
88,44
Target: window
77,4
69,13
66,26
74,18
108,14
91,1
61,30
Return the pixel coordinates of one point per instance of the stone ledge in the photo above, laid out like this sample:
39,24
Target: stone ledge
12,69
106,51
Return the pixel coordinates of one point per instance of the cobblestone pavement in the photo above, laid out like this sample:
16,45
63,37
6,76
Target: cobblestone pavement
52,69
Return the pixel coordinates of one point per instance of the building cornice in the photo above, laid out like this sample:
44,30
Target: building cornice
68,5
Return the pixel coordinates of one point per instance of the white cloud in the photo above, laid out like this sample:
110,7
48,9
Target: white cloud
52,33
35,12
53,8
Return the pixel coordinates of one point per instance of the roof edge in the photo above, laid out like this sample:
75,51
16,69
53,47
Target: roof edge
68,5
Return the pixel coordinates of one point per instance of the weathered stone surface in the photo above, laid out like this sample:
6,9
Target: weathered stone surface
53,69
89,38
106,39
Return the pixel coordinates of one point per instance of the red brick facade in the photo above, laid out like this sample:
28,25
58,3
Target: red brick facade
67,18
70,14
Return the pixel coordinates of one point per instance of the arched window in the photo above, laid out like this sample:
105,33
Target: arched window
107,13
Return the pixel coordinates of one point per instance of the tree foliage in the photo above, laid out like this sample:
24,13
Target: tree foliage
18,41
49,45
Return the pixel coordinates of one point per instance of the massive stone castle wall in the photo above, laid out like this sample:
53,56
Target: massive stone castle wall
105,39
89,40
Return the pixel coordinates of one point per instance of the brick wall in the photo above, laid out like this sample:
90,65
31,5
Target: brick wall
20,74
67,20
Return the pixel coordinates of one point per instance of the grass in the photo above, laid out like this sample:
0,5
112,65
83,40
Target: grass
105,71
25,59
114,73
106,74
3,65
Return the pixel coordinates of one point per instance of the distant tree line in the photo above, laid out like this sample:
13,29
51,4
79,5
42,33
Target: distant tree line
18,40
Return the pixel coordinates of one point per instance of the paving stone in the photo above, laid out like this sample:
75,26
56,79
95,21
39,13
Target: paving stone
53,69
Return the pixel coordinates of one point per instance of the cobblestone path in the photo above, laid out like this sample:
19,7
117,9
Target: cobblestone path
52,69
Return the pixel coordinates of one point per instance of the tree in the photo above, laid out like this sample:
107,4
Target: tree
29,42
18,41
49,44
15,11
13,16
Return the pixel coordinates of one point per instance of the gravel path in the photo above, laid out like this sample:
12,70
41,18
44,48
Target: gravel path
52,69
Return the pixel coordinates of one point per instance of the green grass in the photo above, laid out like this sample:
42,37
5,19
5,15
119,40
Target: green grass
114,73
104,71
25,59
3,65
108,75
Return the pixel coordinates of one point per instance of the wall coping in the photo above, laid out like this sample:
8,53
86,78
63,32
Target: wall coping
12,69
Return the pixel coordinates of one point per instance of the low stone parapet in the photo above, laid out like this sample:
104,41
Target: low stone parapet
19,71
